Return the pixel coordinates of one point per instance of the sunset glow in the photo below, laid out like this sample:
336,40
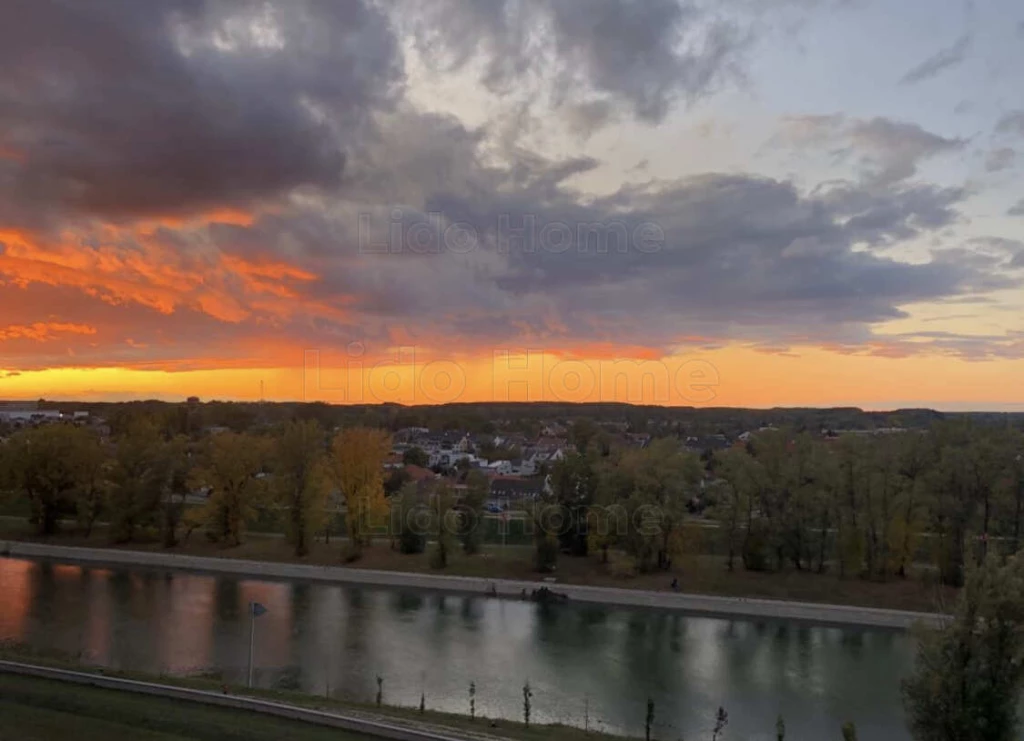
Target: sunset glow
397,203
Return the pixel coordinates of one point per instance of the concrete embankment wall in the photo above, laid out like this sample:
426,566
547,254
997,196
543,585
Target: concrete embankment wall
727,607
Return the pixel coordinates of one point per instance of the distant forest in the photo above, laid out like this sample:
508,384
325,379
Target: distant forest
528,417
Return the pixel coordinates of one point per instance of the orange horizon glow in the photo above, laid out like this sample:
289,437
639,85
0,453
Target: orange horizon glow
730,377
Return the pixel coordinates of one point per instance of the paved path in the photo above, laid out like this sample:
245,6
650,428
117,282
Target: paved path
372,724
738,607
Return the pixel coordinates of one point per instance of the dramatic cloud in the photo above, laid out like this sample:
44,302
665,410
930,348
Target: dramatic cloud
889,151
939,62
1017,209
162,108
224,184
640,54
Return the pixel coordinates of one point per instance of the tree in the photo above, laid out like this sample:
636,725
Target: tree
545,555
358,464
52,465
300,482
721,721
180,470
443,501
735,505
574,482
139,479
470,511
416,457
412,516
659,479
233,461
968,673
94,487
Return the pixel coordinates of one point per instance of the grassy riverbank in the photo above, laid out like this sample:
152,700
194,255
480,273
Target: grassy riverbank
103,713
33,709
697,573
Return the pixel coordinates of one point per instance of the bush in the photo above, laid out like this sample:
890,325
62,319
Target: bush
622,565
546,555
755,551
351,552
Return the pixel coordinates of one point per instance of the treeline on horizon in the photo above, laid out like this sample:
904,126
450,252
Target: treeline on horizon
528,417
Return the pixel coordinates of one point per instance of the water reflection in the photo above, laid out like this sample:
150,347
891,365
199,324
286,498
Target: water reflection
579,659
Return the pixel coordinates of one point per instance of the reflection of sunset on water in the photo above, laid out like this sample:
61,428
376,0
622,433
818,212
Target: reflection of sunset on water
17,586
186,612
274,628
98,620
336,639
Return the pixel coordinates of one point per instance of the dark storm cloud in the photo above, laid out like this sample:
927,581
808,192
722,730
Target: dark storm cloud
642,54
738,256
939,62
124,107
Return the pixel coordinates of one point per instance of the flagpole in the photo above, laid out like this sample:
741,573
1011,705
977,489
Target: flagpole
252,637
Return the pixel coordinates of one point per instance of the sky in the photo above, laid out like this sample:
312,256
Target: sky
685,202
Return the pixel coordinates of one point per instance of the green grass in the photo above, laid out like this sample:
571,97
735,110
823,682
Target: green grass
28,723
48,709
512,730
698,571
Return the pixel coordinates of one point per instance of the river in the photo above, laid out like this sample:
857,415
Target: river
585,664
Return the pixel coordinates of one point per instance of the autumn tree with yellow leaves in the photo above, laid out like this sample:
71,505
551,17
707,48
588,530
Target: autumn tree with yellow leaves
358,467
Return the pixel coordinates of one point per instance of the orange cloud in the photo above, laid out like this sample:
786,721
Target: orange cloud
43,331
136,267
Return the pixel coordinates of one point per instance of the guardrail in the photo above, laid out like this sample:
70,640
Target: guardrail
370,726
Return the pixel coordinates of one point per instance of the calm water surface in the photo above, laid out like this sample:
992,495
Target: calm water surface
603,662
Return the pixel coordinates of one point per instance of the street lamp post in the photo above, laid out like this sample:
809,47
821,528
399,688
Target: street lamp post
255,610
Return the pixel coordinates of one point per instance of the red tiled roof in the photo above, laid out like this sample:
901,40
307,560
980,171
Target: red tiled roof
418,473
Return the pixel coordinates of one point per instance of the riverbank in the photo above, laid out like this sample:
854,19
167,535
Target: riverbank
37,709
697,572
63,699
698,604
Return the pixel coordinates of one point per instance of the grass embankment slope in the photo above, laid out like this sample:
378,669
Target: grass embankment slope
33,709
698,573
65,710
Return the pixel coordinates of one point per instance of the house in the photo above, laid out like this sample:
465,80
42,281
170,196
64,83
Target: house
554,429
516,488
448,458
500,468
481,440
708,442
637,440
521,467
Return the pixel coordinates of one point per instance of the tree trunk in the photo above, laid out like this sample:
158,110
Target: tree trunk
1018,501
823,541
